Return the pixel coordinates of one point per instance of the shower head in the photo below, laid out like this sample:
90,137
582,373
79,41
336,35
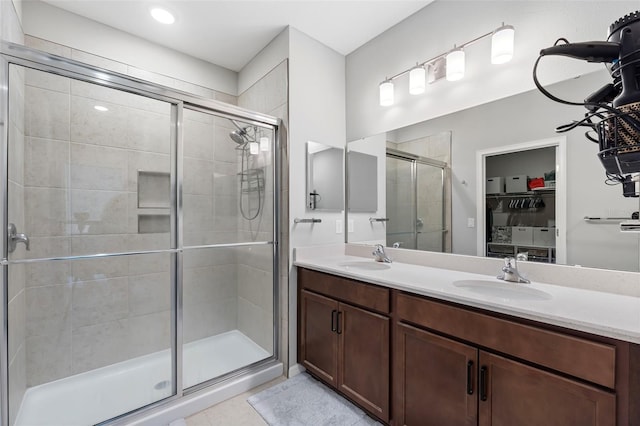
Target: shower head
239,136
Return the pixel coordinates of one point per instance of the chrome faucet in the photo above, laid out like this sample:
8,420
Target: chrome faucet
510,272
15,238
379,254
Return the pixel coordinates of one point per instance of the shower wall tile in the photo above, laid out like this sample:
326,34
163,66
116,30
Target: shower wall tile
16,213
17,382
100,301
98,61
226,98
16,278
198,177
148,162
98,345
256,286
49,310
89,244
208,319
198,139
16,97
98,167
225,213
148,334
47,163
193,115
193,89
17,321
47,46
225,179
96,94
207,285
151,76
200,258
150,293
47,114
148,131
98,269
48,81
16,154
256,323
225,148
141,242
91,126
107,211
48,358
46,212
198,211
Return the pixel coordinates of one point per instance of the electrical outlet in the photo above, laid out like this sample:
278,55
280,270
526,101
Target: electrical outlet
471,222
339,226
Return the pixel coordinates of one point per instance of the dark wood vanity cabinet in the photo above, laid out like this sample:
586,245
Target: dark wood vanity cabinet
343,337
454,365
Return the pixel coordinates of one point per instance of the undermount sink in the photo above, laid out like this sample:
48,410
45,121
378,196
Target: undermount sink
502,290
365,265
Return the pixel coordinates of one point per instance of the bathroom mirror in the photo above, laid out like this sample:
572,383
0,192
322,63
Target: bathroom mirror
325,183
525,117
363,182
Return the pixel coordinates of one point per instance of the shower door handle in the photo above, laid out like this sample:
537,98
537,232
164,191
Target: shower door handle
14,238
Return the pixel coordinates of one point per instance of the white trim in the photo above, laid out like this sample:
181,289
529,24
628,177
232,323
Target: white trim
560,142
296,369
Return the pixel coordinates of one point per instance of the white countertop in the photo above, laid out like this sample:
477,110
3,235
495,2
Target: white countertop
601,313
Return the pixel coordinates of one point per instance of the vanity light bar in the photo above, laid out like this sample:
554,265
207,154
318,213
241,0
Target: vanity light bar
502,47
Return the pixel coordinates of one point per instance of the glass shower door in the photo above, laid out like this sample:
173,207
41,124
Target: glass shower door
401,206
430,227
90,262
228,221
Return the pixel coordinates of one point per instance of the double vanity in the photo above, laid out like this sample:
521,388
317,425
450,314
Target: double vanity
415,344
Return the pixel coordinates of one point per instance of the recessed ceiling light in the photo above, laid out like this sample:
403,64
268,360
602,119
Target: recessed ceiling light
101,108
162,15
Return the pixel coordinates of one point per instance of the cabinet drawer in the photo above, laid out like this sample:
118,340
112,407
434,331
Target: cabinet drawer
360,294
591,361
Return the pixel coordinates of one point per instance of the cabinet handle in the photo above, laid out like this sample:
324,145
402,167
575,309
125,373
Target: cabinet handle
333,320
339,331
470,378
483,383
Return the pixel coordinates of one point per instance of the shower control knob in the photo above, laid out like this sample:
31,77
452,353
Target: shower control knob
14,238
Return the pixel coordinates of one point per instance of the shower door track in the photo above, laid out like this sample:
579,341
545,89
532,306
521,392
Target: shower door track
14,54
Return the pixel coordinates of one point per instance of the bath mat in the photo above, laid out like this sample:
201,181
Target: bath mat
304,401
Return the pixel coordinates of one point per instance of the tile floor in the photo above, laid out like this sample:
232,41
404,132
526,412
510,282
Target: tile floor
232,412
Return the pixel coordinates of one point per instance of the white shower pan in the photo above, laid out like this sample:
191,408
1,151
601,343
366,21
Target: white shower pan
98,395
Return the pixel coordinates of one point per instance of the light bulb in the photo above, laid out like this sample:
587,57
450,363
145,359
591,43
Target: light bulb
455,65
101,108
254,148
386,93
264,144
417,80
502,42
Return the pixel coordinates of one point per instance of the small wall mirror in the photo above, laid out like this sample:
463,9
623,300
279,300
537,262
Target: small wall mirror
363,182
325,182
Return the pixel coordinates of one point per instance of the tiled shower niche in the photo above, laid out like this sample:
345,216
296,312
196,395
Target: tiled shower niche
154,201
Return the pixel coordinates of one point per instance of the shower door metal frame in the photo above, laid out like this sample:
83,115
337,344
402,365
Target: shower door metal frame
414,160
14,54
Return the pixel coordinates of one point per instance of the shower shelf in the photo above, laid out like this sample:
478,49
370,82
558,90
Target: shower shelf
252,180
154,189
154,223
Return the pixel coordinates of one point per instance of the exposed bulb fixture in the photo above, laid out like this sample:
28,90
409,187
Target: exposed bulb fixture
502,42
254,148
386,93
101,108
417,80
162,15
264,144
450,64
455,64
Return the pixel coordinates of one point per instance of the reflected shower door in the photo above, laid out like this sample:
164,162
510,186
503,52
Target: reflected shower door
401,206
228,273
430,226
90,323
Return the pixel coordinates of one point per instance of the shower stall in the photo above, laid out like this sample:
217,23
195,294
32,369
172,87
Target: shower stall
416,201
140,251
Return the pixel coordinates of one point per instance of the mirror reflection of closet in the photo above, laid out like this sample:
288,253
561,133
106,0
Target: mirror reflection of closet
325,183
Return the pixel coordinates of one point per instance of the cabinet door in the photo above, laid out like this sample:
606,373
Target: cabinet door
364,359
318,339
516,394
434,380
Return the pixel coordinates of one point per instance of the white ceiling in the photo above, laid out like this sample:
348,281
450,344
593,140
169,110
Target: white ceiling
230,33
